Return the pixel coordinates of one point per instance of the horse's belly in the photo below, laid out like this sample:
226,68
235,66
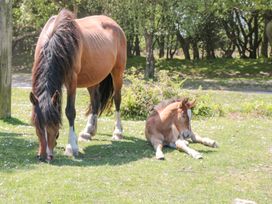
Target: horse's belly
88,80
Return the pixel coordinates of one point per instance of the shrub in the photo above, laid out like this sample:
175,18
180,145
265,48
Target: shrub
140,95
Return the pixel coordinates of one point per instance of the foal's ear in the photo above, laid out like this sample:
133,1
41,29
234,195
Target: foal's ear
33,98
183,103
55,98
191,104
186,104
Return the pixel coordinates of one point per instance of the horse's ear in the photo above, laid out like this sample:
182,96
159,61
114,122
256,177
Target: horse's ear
55,98
33,98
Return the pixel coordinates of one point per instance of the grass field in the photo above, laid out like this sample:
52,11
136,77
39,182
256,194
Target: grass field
127,172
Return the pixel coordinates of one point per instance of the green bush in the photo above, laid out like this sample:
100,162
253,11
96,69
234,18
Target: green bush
140,95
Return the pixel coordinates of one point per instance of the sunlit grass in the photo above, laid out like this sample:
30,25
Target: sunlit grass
127,172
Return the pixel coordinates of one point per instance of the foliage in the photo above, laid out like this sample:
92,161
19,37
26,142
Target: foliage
139,96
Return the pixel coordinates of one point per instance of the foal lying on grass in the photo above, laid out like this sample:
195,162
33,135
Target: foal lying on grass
169,124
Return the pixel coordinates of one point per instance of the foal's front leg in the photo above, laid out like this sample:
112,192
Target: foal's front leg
182,145
71,147
205,141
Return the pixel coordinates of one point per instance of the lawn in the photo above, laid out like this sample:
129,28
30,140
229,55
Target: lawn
127,172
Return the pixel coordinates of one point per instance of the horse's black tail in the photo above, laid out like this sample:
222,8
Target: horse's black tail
106,91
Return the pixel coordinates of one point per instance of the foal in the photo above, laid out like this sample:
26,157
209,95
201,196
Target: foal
169,124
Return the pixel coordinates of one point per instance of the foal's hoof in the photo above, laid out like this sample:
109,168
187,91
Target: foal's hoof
84,136
70,152
215,145
197,156
117,137
160,157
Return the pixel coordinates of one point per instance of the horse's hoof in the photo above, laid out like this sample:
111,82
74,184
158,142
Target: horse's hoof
49,158
40,158
117,137
68,151
84,136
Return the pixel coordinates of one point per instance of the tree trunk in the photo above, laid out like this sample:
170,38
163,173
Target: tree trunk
195,50
150,64
161,47
137,46
264,48
5,57
185,45
130,45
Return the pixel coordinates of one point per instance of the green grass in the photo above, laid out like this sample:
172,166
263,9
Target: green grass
127,172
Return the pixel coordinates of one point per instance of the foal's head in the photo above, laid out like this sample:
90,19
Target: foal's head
184,116
45,117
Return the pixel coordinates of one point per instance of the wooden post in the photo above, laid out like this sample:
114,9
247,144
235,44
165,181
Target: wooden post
5,57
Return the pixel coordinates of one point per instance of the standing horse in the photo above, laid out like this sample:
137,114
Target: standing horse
88,52
169,124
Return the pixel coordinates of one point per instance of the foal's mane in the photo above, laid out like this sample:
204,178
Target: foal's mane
163,104
53,68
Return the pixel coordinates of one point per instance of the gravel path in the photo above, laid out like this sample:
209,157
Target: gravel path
23,80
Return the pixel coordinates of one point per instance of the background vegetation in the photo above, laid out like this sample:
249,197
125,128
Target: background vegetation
191,29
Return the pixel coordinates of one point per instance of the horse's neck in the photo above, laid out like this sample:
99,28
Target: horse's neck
167,115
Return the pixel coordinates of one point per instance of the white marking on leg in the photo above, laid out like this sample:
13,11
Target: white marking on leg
182,144
91,124
118,126
73,140
159,153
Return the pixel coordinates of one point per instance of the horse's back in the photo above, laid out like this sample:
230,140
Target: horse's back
104,48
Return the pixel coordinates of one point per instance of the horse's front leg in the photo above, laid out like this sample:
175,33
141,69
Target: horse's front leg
205,141
182,145
71,147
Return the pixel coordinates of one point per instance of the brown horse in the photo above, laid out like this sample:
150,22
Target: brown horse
88,52
169,124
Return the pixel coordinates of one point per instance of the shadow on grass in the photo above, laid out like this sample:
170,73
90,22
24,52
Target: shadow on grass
117,153
16,152
15,121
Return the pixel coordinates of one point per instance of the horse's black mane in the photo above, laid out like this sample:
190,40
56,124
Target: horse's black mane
54,68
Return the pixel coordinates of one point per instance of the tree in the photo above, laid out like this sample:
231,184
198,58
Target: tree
5,57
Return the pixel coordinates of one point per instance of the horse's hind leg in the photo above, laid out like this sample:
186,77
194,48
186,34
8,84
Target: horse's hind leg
91,126
117,83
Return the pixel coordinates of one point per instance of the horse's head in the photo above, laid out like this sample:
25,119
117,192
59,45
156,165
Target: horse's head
47,129
184,116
